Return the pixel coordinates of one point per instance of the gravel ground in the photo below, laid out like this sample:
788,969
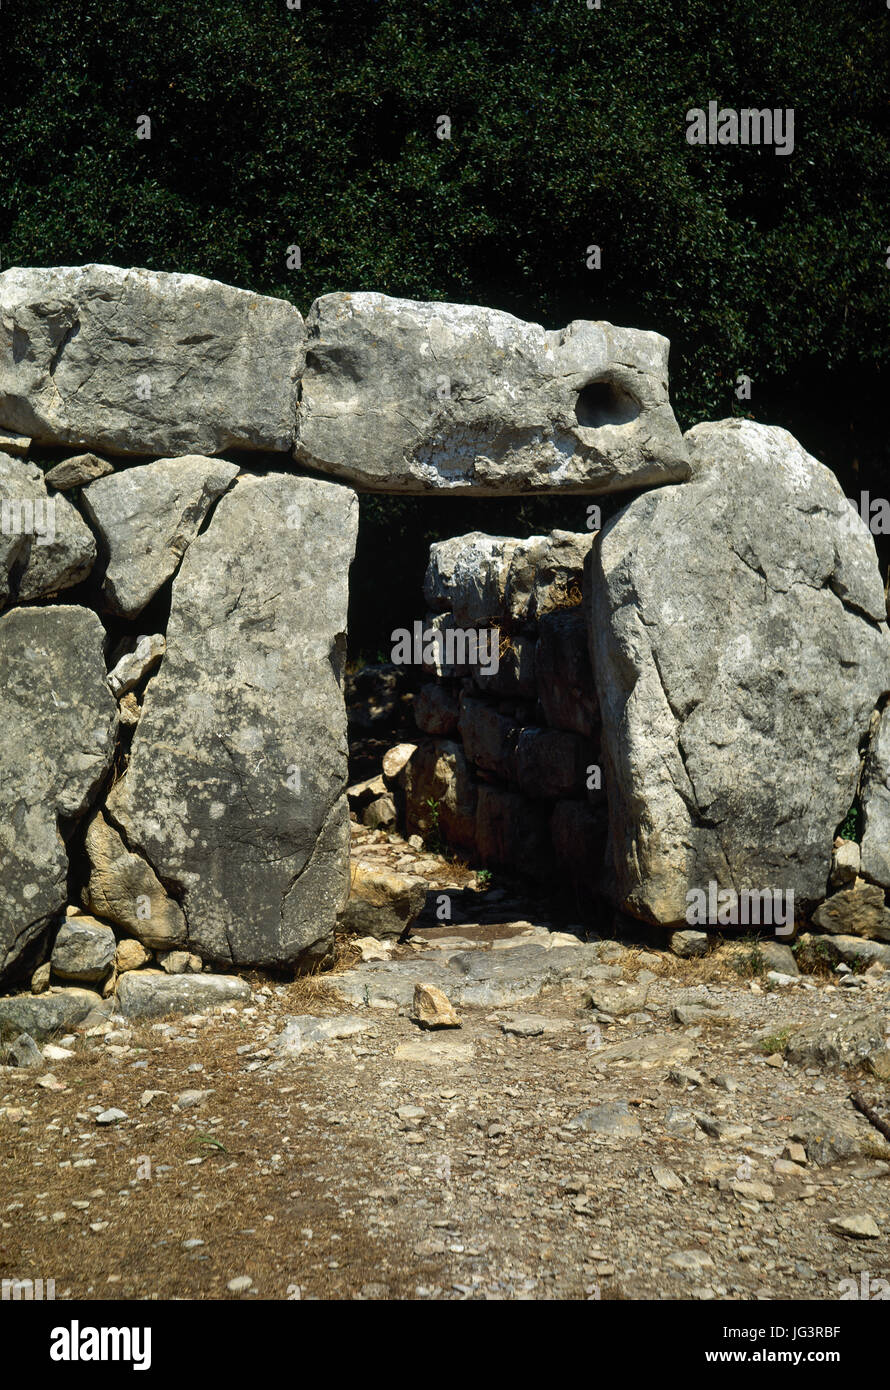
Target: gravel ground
405,1164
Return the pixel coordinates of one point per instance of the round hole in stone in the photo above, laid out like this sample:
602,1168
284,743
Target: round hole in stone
605,403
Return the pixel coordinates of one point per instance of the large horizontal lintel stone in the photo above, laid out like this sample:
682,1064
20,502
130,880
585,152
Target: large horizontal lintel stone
400,395
145,362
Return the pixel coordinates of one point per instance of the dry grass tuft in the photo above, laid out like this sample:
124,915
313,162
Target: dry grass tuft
310,992
346,954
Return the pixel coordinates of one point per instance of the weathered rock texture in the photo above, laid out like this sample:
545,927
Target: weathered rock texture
84,949
77,472
144,362
12,443
382,903
43,1015
440,794
739,642
45,545
875,848
403,396
152,994
856,911
124,889
148,516
234,788
737,634
133,666
58,723
513,583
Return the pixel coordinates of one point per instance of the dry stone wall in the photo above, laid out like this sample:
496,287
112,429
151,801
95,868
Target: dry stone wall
172,731
726,674
509,769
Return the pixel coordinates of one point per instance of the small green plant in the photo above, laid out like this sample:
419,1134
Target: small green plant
813,955
210,1142
849,828
483,879
434,834
750,961
776,1042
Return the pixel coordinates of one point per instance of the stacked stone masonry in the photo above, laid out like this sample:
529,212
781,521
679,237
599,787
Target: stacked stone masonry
509,768
177,522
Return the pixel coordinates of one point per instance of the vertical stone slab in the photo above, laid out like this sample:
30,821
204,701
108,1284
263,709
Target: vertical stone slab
234,791
875,849
58,722
740,645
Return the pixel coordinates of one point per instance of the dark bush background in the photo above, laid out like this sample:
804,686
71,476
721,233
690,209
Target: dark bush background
316,127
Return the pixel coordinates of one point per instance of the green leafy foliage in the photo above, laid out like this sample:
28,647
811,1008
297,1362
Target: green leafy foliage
316,127
850,827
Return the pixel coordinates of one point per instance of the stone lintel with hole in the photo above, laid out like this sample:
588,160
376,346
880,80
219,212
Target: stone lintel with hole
410,397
